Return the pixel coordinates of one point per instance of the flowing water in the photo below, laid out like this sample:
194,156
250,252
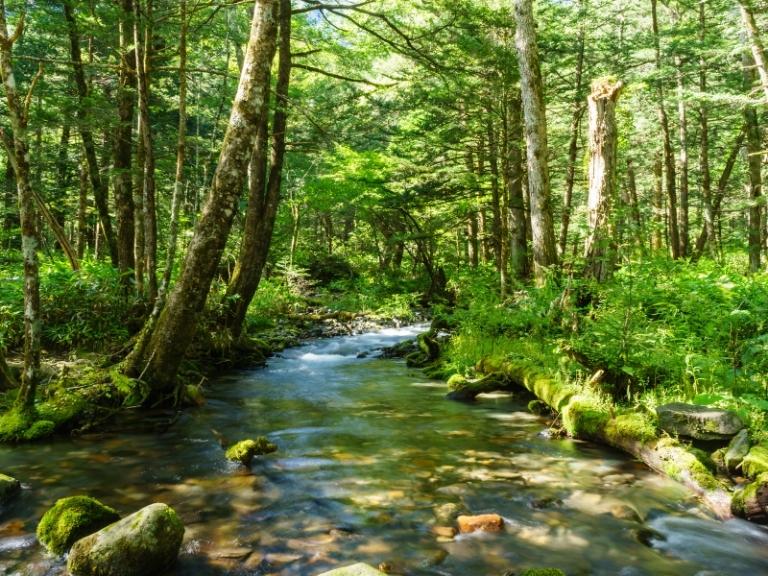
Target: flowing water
371,457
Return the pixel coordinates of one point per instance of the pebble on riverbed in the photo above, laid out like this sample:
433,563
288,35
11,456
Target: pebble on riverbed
480,523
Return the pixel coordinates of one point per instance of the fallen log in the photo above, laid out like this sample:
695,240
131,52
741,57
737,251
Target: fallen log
586,417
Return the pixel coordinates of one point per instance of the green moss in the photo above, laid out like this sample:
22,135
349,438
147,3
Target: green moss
679,463
39,429
542,572
71,519
635,426
740,497
457,382
756,461
13,424
244,451
584,417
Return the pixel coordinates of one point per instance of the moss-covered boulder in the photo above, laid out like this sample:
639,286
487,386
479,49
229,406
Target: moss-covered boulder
9,488
542,572
756,461
245,450
71,519
699,422
146,543
359,569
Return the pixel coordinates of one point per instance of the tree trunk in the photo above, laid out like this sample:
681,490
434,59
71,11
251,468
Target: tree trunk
717,198
473,246
518,225
123,181
137,189
657,241
493,162
532,89
704,168
143,51
82,209
578,112
758,51
599,251
669,153
682,165
263,204
632,202
754,164
181,148
18,152
98,184
7,381
159,352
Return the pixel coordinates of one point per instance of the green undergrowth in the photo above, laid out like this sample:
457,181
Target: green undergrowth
661,331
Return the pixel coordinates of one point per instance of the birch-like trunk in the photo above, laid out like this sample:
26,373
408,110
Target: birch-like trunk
18,153
532,90
756,43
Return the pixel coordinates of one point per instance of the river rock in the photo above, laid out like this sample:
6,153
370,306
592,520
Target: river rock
699,422
480,523
9,488
73,518
245,450
146,543
737,450
359,569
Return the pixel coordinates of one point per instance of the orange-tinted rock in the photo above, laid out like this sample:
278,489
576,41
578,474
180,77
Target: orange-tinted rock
481,522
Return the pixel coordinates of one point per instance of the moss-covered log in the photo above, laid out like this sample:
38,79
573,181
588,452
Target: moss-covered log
585,417
465,390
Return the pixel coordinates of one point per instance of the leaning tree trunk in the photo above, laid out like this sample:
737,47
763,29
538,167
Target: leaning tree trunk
754,164
532,89
599,251
158,353
18,153
682,165
263,203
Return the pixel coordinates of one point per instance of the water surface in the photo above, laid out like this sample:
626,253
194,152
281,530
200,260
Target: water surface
371,459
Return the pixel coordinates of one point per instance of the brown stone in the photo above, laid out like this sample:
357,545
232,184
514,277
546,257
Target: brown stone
481,522
444,531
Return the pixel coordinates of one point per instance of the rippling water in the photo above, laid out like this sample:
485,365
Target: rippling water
371,457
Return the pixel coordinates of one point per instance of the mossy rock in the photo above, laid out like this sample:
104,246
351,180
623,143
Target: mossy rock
146,543
457,382
542,572
538,407
71,519
39,429
584,417
24,426
245,450
9,488
756,461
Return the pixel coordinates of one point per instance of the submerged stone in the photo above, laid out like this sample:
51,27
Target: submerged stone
359,569
9,488
699,422
146,543
245,450
542,572
480,523
73,518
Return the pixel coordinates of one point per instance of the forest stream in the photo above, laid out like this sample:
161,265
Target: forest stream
370,455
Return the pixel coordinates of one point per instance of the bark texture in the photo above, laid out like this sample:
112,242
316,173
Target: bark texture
532,90
599,249
158,354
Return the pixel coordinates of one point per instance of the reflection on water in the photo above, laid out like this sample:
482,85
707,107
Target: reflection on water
372,463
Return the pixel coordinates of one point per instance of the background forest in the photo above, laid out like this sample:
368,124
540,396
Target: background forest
391,168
